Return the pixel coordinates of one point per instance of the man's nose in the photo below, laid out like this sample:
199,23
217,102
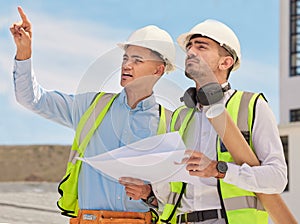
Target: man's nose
191,52
127,64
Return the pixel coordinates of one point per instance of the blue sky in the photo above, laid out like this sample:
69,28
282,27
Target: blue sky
70,35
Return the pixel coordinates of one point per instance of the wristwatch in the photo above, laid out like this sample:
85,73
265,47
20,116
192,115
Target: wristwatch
222,169
150,198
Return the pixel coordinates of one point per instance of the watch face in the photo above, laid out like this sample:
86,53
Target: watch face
222,167
150,199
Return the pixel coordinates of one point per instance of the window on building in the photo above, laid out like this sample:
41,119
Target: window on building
294,115
295,38
285,144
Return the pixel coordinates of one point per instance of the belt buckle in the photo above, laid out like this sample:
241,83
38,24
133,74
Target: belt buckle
89,217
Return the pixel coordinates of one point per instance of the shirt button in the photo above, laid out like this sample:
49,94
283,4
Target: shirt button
119,197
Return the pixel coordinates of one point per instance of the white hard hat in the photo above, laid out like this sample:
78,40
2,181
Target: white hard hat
155,39
218,32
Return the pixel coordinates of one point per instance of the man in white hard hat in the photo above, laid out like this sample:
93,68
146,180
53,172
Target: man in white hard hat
102,121
224,193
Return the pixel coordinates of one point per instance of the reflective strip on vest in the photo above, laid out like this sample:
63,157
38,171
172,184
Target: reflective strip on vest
94,125
242,121
243,202
176,188
72,156
106,100
89,122
173,198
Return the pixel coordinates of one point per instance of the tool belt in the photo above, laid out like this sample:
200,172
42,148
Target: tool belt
104,217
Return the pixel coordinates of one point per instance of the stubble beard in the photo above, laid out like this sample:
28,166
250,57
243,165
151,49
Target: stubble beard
191,72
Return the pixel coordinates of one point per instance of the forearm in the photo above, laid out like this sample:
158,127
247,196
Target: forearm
259,179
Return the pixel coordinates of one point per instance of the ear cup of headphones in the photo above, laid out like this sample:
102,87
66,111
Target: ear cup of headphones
209,94
189,97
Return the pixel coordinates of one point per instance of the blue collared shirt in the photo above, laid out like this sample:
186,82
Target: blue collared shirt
121,126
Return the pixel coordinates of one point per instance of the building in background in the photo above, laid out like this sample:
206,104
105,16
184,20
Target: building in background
289,125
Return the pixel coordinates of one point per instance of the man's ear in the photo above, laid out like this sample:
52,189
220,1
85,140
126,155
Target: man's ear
160,69
226,62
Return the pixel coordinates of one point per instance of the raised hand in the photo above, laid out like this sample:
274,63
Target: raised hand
22,34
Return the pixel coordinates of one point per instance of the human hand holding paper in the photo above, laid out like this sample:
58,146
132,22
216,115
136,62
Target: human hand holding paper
135,188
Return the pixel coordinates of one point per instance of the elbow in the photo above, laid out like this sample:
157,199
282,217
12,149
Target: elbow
25,102
283,184
283,176
275,183
27,96
280,183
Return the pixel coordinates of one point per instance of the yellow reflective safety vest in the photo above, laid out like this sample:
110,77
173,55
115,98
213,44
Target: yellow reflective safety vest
241,206
89,122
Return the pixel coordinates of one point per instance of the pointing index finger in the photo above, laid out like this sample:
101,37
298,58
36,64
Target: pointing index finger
22,14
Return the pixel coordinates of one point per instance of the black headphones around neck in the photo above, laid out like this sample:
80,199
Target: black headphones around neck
207,95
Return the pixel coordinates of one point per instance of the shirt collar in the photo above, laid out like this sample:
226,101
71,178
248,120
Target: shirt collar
144,104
